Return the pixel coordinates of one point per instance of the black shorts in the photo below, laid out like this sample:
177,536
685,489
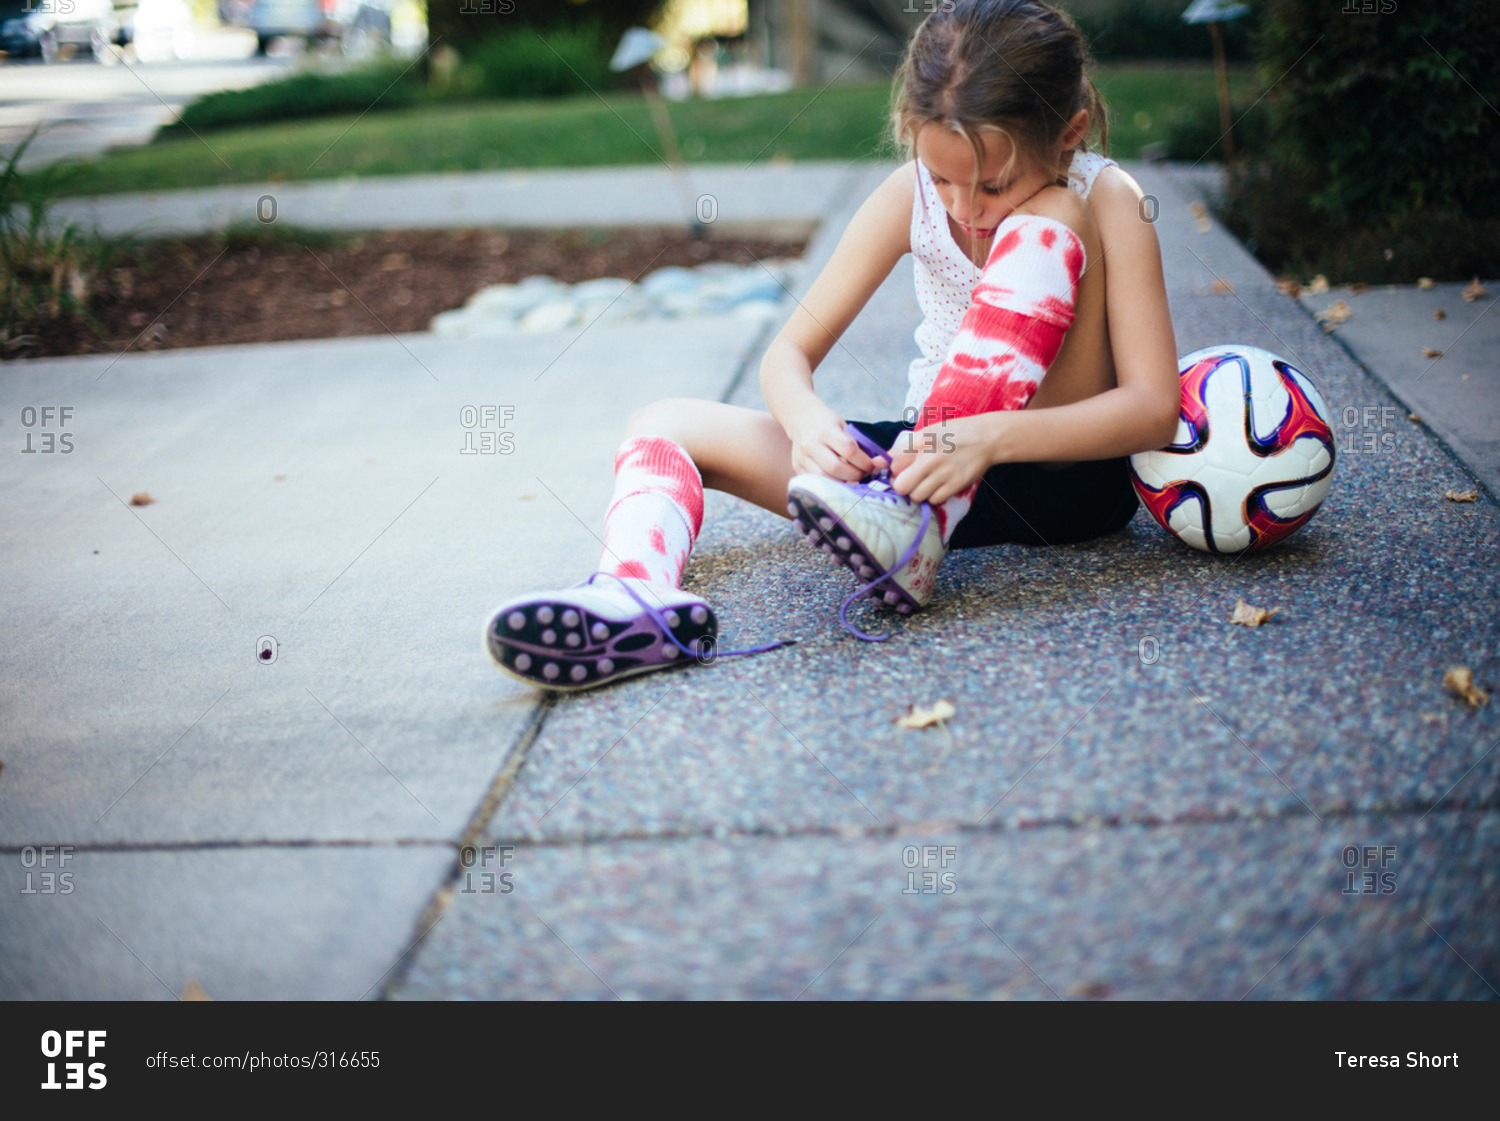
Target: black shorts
1034,504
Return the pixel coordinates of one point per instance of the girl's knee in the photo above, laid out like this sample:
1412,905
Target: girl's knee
656,417
671,417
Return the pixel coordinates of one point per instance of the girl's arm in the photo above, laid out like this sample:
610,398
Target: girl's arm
877,237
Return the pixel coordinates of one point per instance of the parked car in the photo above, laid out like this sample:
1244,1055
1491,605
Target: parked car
41,28
357,25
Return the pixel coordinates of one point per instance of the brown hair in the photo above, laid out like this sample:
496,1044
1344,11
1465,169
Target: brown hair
1016,67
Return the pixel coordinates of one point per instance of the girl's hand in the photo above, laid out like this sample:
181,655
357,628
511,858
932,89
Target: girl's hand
937,462
821,446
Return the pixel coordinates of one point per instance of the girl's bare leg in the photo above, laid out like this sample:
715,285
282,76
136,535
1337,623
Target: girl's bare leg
740,451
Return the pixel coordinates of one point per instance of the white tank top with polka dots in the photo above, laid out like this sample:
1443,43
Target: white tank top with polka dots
946,276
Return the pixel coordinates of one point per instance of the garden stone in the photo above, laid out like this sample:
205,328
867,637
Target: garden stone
554,315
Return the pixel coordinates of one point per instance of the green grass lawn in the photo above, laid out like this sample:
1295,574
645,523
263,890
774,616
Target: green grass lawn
841,123
1145,99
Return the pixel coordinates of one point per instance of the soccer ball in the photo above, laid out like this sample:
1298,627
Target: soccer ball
1253,456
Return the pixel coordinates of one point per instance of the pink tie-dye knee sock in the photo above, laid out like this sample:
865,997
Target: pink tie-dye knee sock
655,513
1021,311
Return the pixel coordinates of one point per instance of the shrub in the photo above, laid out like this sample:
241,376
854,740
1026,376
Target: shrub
1267,208
47,271
1374,117
385,85
1381,161
550,62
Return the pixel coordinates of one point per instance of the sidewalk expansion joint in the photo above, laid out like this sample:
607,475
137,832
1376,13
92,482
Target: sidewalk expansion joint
238,843
926,826
472,835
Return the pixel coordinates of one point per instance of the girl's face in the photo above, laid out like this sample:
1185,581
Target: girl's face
978,202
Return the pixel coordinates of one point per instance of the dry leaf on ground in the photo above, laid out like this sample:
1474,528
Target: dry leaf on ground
1317,285
1462,496
1251,616
1475,291
1198,209
1221,285
1429,352
1334,314
1439,313
919,717
1426,282
1415,418
194,991
141,498
1287,286
1460,682
1359,286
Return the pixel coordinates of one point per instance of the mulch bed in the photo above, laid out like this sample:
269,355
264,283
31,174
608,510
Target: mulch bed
208,291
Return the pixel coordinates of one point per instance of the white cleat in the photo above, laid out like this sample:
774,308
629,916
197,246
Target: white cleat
870,528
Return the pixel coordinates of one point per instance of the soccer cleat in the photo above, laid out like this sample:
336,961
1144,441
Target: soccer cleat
891,544
604,629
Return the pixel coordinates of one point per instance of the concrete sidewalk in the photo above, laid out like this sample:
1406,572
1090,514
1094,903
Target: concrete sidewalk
1134,798
723,197
1445,370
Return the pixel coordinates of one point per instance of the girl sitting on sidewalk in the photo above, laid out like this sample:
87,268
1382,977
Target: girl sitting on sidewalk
1047,359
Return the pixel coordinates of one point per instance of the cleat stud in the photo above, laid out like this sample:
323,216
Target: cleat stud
570,618
600,632
550,671
515,620
573,638
605,666
699,614
904,608
891,597
673,619
812,537
791,508
523,662
668,651
844,542
827,548
858,559
825,523
549,637
544,615
578,672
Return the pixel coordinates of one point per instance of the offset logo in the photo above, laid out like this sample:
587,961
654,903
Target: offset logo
67,1045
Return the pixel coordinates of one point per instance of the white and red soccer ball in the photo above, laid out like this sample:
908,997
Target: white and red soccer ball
1253,456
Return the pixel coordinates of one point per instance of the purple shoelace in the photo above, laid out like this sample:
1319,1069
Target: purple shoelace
880,489
661,621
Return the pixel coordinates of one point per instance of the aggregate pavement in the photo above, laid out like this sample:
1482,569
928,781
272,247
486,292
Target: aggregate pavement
1134,798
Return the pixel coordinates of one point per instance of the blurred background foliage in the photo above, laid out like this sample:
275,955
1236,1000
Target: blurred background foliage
1366,145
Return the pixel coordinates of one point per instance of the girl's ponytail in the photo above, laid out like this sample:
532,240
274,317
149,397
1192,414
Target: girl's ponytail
1093,101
